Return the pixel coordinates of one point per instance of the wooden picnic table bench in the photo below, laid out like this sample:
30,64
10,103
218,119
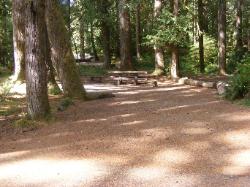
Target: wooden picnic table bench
136,77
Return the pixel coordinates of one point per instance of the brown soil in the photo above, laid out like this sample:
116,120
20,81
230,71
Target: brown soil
172,135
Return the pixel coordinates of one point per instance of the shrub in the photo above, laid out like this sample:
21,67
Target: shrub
239,84
190,62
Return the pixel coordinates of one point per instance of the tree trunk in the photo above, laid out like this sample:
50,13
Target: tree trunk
51,70
117,35
159,57
35,49
61,52
238,31
82,39
222,36
175,64
4,14
92,39
18,10
201,35
138,31
125,36
105,33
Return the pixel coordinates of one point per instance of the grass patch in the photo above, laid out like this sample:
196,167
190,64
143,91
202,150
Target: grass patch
90,71
245,102
10,106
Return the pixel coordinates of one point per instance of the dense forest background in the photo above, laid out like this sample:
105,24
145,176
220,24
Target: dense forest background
175,38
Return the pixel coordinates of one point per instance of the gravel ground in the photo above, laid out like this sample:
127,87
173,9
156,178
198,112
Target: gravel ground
172,135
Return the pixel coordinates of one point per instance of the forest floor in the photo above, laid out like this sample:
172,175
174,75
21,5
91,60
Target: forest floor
171,135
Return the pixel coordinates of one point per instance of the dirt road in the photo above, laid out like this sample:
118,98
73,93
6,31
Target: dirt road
173,135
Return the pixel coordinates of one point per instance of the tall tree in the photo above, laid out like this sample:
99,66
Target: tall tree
35,49
159,57
201,34
175,64
238,31
138,30
125,35
222,36
105,29
92,40
82,38
61,52
18,10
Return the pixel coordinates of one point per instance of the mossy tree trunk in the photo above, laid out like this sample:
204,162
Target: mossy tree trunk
18,15
51,70
35,49
61,52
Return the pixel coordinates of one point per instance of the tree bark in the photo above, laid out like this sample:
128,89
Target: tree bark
105,33
175,62
51,70
61,52
125,36
222,36
35,49
201,35
92,39
117,34
138,31
238,31
82,39
159,56
18,11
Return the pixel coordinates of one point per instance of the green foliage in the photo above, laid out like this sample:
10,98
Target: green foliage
5,88
92,71
24,123
190,65
169,30
146,63
235,57
54,90
239,84
65,103
245,102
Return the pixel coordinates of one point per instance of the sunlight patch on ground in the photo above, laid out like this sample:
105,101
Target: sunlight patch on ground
132,123
10,155
173,157
235,170
191,105
131,102
236,139
238,163
195,131
51,172
147,173
160,133
103,87
242,158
